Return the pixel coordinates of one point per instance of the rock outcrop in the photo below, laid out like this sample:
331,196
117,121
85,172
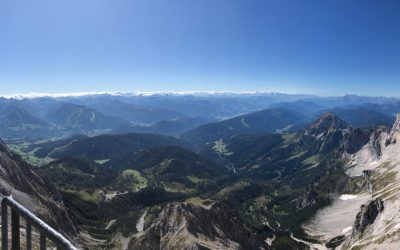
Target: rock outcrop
375,140
394,135
188,226
308,198
364,219
367,215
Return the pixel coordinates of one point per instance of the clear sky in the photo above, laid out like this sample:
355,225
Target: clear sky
311,46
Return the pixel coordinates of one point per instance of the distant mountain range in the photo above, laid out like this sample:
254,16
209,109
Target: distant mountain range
43,116
81,119
20,123
136,113
275,120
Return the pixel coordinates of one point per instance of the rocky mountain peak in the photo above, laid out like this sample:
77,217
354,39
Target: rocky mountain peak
396,125
394,134
326,123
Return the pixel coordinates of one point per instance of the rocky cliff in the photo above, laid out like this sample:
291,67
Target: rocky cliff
188,226
367,215
377,223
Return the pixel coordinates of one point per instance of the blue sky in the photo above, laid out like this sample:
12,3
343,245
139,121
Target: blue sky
309,46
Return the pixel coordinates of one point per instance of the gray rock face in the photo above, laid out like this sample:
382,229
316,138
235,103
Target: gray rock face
394,131
366,175
367,215
375,140
308,198
188,226
396,125
364,219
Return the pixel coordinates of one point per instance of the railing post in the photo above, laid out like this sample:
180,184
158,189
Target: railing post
28,235
4,225
15,236
42,241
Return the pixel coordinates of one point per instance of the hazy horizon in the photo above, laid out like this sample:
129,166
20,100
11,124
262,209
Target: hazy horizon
194,92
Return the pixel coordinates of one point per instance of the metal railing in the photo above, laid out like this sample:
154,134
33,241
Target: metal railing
46,232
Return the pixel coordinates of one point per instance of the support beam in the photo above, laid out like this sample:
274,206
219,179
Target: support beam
42,241
4,225
15,232
28,235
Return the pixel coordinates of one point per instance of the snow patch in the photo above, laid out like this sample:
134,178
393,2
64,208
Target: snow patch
269,241
330,221
112,222
345,197
311,245
140,223
347,230
313,166
244,123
